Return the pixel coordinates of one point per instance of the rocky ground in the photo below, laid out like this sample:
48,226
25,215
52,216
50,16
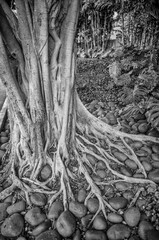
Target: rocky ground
136,215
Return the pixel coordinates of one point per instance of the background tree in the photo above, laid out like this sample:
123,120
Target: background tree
49,124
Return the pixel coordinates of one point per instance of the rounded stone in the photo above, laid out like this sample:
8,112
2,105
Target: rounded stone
35,216
78,209
118,232
93,205
38,199
155,157
154,175
95,234
99,223
66,224
114,218
118,202
143,228
152,235
2,153
126,171
131,164
17,207
147,166
55,210
49,235
82,194
155,148
123,186
41,228
4,139
3,210
12,226
132,216
45,172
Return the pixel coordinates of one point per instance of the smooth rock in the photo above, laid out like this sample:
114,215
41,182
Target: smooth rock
155,148
3,210
132,216
95,235
118,232
55,210
155,157
93,205
143,127
147,166
155,164
66,224
2,153
138,175
78,209
126,171
45,172
82,194
4,139
154,175
123,186
114,218
120,156
128,195
3,134
12,226
118,202
136,145
101,165
141,203
35,216
49,235
17,207
141,153
143,228
101,173
100,223
41,228
86,220
152,235
108,190
38,199
131,164
21,238
4,146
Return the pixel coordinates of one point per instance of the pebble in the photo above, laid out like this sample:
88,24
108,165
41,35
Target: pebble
118,232
82,194
118,202
4,146
155,157
101,173
152,235
95,234
77,235
66,224
41,228
45,172
35,216
108,190
101,165
128,195
136,145
12,226
3,134
38,199
17,207
91,159
154,175
9,199
120,156
99,223
114,218
132,216
143,227
141,153
79,210
2,153
155,164
141,203
21,238
147,166
86,220
3,210
49,235
126,171
138,175
93,205
55,210
143,127
123,186
155,149
4,139
131,164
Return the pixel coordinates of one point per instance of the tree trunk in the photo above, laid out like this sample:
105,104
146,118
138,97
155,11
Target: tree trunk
49,124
